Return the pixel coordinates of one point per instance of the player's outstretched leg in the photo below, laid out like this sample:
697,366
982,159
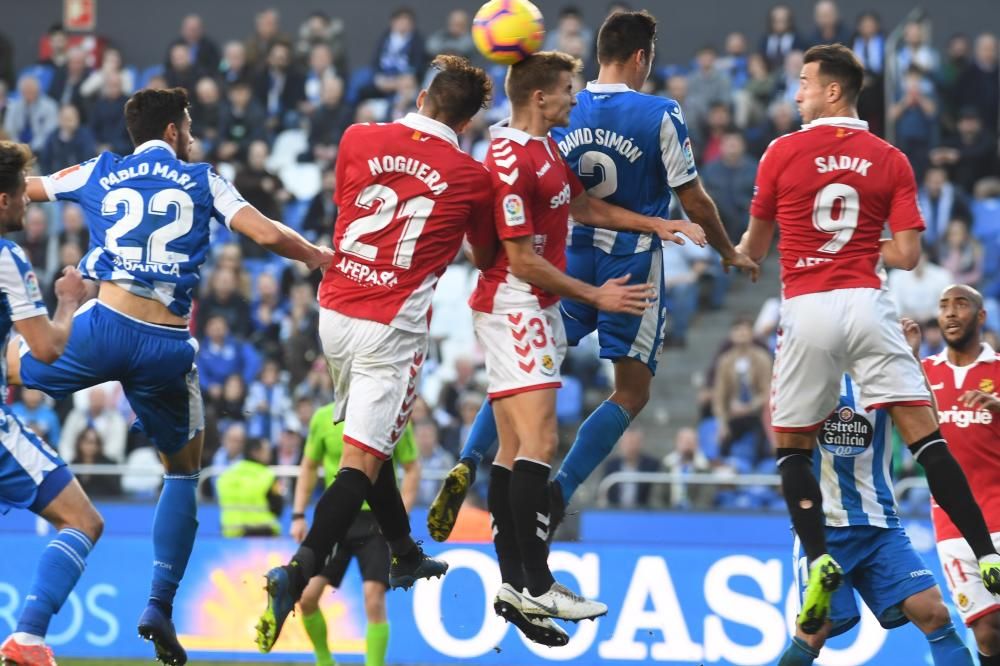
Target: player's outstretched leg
443,512
594,441
59,568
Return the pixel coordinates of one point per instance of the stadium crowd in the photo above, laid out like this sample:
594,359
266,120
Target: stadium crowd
269,111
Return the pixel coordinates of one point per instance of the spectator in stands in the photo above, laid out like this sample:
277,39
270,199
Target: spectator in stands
243,123
89,450
319,28
107,118
750,103
181,71
631,458
70,254
962,255
328,121
232,448
916,292
269,401
202,50
230,257
33,116
915,51
267,32
782,118
74,229
741,391
70,144
97,411
67,80
971,154
229,406
36,241
687,458
469,404
781,37
300,342
399,54
734,59
683,266
979,85
915,116
222,355
279,88
251,498
35,411
869,42
111,64
262,189
730,181
454,37
322,211
829,29
316,385
208,111
788,81
224,299
433,459
53,46
707,85
453,390
234,67
267,312
405,100
569,24
320,67
957,57
940,202
717,122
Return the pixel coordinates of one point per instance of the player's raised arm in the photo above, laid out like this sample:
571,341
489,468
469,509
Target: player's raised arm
596,212
279,238
35,190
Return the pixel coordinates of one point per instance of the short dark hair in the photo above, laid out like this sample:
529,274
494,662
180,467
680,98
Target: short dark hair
624,33
837,62
539,71
459,89
15,158
149,112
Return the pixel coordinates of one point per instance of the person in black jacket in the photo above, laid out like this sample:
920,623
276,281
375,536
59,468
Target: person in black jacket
280,88
203,51
328,122
68,145
400,54
631,495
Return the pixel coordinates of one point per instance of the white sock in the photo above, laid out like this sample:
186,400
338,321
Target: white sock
24,638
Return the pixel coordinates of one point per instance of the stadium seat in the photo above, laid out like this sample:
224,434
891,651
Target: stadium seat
708,438
294,213
360,78
147,74
986,219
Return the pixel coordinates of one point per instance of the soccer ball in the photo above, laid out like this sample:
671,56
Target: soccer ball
507,31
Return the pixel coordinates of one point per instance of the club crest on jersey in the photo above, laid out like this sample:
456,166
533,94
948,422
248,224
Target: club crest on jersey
986,385
548,365
513,210
963,602
846,433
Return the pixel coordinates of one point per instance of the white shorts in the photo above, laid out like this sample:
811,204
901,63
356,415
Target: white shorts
524,350
824,335
961,573
375,369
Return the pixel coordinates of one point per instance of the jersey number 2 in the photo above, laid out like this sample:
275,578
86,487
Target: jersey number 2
160,203
384,202
596,163
836,211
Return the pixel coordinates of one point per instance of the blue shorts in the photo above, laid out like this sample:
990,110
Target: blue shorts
155,364
619,335
881,564
31,472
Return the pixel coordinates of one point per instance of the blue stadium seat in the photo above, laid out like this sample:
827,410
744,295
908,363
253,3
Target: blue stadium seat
708,438
986,219
295,213
360,77
147,74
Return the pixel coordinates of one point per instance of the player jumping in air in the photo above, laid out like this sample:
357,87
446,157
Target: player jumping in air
149,218
407,195
830,188
964,379
864,534
629,149
32,475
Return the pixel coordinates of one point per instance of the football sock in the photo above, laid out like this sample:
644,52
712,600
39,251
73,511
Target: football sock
390,512
798,654
376,643
335,511
989,660
804,499
947,649
504,533
60,566
951,491
529,502
175,523
315,625
482,436
594,441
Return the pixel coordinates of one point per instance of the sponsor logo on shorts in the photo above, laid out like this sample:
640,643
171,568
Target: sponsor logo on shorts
986,385
846,433
963,602
920,572
548,365
513,210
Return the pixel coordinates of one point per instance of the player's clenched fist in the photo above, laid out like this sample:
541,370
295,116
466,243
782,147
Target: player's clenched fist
70,287
616,295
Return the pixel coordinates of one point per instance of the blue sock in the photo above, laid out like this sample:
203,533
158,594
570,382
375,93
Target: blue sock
798,654
174,525
482,435
947,649
594,441
60,566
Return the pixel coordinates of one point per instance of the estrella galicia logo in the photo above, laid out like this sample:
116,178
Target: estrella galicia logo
846,433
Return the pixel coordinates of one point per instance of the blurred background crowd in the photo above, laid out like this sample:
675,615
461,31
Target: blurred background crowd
269,111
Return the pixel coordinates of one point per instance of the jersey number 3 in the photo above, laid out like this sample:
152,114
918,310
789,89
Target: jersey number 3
836,211
384,202
162,203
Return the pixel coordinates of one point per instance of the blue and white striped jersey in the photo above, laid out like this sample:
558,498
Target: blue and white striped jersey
855,464
148,215
628,148
20,297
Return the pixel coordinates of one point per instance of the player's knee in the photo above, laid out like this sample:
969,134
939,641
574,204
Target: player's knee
92,523
309,603
632,399
987,632
375,604
933,617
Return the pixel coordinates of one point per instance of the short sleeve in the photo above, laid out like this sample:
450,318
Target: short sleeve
314,441
904,211
513,191
226,200
764,205
676,151
481,230
406,449
66,185
19,284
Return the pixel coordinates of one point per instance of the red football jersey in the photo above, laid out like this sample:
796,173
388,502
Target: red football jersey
973,435
406,195
831,187
532,188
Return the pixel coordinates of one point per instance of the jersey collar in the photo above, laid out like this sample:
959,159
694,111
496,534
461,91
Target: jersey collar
155,143
503,130
595,87
841,121
430,126
986,355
